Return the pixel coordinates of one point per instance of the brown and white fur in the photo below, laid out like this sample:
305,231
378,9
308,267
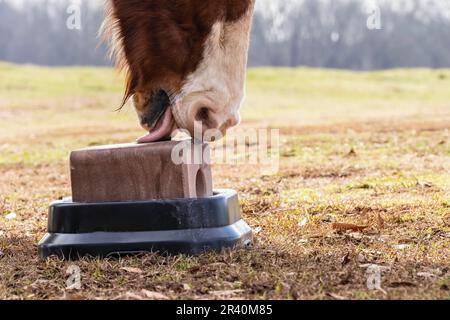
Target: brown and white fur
185,60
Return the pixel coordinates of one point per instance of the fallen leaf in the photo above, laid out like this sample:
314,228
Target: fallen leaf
398,284
226,292
187,287
130,296
303,222
336,296
356,235
193,269
217,265
361,258
132,270
401,246
346,259
425,184
380,222
348,227
291,274
426,275
285,287
406,241
11,216
39,282
315,236
72,296
154,295
351,153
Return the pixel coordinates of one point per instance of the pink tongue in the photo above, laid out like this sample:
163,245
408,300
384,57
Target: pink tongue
163,129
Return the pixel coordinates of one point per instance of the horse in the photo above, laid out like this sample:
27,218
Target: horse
185,61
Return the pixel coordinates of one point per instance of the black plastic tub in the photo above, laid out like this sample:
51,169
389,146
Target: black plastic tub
178,226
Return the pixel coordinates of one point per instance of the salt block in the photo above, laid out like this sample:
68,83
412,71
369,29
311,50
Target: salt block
140,172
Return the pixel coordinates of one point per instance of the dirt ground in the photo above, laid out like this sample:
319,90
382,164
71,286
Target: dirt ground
350,197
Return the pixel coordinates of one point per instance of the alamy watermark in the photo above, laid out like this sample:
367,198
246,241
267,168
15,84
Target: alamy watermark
73,282
374,11
73,21
250,146
374,277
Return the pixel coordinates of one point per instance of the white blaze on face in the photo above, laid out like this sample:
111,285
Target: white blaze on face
218,84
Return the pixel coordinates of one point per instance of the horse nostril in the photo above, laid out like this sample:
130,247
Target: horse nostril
202,115
207,118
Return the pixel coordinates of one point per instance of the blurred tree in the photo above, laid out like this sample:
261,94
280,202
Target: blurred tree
317,33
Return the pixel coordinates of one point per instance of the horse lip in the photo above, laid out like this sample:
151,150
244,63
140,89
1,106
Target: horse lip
152,121
157,107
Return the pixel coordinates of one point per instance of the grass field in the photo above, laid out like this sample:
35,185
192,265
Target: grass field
369,149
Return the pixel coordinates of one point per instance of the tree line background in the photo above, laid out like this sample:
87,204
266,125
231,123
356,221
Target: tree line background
316,33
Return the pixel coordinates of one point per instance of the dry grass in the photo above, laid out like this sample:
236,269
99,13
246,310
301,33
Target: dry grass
385,168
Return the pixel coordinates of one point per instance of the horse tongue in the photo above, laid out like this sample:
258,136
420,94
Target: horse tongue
162,130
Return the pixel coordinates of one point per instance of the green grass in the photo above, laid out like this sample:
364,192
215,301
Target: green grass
313,94
31,82
37,102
